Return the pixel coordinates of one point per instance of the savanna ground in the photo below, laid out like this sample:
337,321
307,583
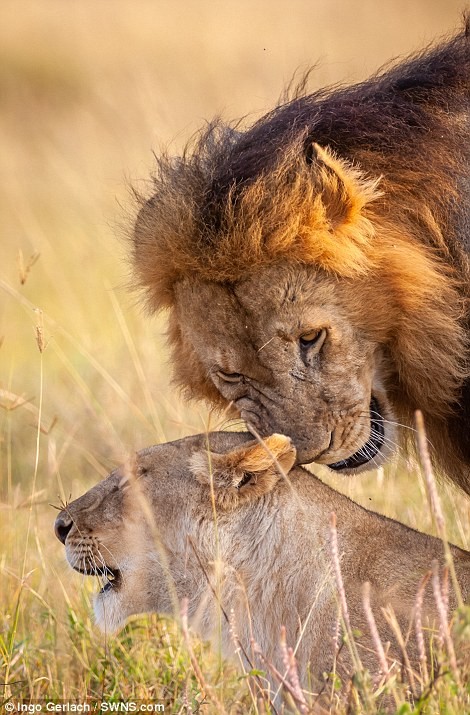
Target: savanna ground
87,91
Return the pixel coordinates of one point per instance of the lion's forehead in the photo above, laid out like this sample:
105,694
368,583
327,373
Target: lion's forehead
276,302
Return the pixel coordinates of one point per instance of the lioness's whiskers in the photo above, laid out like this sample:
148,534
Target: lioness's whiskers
100,574
107,570
74,559
116,561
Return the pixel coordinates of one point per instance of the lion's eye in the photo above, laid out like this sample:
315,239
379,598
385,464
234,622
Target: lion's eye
229,376
314,338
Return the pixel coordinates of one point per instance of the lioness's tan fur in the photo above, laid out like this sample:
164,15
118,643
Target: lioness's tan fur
228,522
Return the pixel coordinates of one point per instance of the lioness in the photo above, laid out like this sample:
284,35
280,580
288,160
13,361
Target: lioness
316,266
215,519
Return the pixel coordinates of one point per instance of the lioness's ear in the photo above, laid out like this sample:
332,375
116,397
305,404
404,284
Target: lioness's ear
247,472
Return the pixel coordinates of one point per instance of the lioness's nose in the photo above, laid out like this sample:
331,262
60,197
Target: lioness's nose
62,526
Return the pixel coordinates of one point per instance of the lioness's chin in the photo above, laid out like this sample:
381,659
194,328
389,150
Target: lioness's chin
110,611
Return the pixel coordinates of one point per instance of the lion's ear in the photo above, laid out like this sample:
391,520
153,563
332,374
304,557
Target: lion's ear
344,190
247,472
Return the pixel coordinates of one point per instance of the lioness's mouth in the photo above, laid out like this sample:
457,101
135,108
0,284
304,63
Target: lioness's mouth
113,580
112,576
372,447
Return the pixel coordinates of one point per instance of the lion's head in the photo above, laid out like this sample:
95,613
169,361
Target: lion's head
286,350
298,299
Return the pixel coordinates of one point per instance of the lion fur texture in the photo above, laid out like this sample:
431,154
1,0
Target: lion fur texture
368,184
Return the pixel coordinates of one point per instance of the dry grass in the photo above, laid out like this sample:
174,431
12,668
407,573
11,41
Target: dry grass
88,89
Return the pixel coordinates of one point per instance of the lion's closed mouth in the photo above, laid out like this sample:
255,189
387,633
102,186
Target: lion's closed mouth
372,447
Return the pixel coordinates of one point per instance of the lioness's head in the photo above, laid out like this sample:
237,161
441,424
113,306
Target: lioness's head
146,528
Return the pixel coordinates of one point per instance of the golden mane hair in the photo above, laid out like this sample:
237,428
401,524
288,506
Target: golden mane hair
368,183
289,213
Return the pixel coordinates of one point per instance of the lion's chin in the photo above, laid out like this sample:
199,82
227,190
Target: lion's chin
373,453
377,461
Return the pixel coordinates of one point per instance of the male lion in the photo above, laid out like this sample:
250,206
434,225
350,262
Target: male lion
152,534
316,266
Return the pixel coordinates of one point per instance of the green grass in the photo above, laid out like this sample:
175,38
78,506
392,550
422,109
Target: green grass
88,90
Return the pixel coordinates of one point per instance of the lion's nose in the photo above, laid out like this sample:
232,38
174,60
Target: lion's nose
62,526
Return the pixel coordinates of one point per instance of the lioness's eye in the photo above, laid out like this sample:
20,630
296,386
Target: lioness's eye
313,338
229,376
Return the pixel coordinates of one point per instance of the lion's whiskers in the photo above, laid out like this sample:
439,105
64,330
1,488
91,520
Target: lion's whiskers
386,440
386,421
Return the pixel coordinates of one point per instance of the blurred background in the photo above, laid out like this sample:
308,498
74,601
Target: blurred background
87,92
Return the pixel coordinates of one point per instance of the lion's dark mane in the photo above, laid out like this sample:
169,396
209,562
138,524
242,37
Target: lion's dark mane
397,124
398,120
